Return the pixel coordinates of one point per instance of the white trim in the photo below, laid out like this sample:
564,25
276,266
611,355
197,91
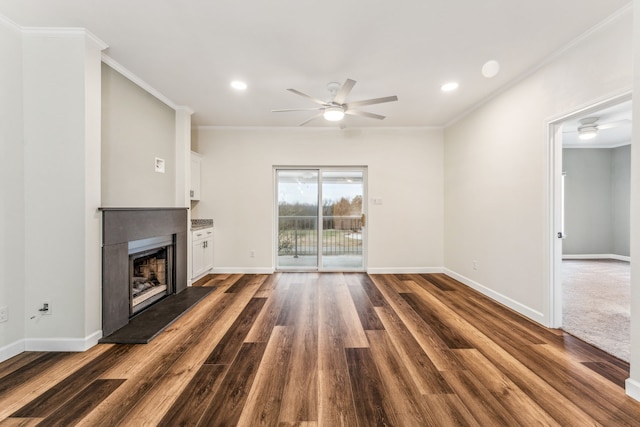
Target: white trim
61,32
532,314
143,85
10,350
405,270
315,129
242,270
614,145
62,344
10,23
597,256
632,388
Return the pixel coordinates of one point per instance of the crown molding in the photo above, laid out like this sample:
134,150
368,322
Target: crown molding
9,23
143,84
61,32
322,128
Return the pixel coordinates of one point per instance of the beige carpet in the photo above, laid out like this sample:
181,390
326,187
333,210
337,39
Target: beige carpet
596,303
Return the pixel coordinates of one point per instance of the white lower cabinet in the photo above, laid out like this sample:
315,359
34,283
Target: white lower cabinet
201,252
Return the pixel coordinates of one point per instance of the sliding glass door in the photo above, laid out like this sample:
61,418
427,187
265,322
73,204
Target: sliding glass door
321,219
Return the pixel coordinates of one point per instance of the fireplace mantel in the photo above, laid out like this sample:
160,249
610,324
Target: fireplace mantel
121,226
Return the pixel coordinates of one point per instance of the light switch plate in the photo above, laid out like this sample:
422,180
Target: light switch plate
159,165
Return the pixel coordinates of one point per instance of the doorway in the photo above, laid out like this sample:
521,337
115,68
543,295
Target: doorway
590,224
321,221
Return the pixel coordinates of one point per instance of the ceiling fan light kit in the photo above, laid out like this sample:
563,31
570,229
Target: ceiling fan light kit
589,127
333,114
335,109
587,132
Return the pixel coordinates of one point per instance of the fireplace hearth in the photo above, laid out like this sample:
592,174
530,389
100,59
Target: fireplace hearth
144,260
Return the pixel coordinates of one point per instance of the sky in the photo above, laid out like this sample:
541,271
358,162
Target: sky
301,186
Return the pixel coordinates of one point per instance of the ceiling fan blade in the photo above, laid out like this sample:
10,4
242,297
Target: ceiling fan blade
297,109
317,101
344,91
371,101
315,116
364,114
615,124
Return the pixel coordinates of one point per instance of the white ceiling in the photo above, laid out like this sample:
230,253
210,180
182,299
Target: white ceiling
619,115
190,50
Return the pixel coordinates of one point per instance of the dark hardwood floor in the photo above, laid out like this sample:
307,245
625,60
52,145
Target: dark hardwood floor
330,349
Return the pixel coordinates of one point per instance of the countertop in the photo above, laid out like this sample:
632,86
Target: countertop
199,224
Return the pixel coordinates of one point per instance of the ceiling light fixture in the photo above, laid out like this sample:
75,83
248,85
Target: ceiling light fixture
448,87
333,114
587,132
588,128
238,85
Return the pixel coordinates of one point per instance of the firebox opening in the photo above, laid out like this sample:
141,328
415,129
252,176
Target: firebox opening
150,271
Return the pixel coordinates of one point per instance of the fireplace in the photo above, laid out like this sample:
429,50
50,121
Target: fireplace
150,271
144,259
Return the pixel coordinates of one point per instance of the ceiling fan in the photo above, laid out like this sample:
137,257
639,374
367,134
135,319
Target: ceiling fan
335,109
589,127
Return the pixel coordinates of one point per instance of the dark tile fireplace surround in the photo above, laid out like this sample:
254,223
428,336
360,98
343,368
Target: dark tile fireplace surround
120,226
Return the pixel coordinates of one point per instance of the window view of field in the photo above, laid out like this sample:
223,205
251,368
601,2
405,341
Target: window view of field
341,228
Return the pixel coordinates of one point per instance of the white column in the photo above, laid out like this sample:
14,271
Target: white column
62,103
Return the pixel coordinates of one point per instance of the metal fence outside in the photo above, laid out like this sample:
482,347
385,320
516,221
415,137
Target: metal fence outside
298,235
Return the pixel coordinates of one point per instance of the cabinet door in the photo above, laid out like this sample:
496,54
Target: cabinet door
208,254
195,177
197,258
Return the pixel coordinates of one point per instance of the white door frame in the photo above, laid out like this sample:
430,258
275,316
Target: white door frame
553,311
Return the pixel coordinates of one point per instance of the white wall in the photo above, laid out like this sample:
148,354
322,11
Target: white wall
597,201
496,169
61,72
136,128
405,169
587,201
11,189
633,383
621,193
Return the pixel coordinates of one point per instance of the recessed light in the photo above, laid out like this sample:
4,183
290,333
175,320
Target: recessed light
490,69
448,87
238,85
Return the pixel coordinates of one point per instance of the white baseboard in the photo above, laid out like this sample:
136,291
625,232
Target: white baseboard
62,344
10,350
597,256
632,388
242,270
526,311
404,270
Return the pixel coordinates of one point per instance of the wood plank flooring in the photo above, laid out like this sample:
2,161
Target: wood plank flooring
329,349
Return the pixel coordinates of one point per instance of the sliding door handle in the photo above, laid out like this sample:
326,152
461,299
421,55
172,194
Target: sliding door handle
363,219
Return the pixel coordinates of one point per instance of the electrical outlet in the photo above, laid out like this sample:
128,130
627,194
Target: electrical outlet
4,314
46,308
475,265
252,253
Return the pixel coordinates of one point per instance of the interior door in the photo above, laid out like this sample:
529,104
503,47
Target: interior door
320,219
